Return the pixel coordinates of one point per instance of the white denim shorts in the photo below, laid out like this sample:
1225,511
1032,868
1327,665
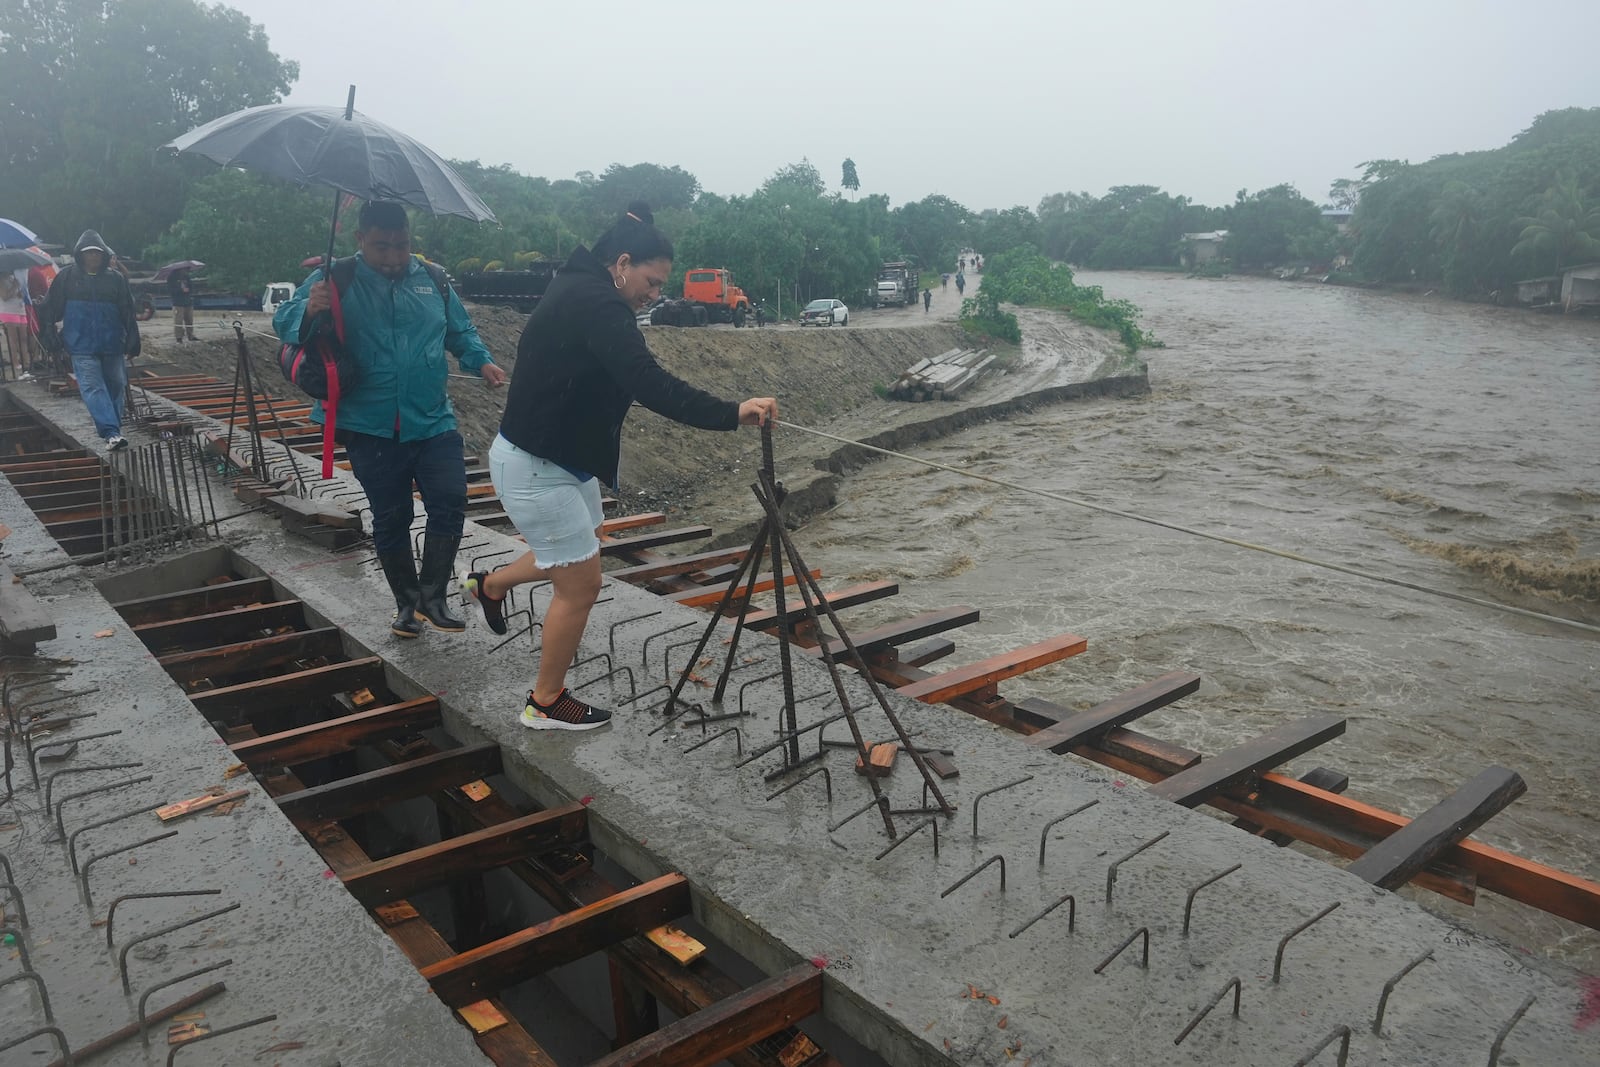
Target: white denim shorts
557,515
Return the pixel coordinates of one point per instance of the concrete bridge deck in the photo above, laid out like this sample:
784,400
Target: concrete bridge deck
773,883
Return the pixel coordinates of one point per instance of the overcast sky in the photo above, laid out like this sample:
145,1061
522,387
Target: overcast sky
993,104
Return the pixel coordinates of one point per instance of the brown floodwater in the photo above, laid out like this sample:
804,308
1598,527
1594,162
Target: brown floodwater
1445,444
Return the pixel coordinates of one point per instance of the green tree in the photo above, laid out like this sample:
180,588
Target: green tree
849,180
89,88
250,230
1566,224
1001,231
1274,226
932,231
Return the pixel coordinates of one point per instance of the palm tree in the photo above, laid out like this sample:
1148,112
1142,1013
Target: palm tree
1566,223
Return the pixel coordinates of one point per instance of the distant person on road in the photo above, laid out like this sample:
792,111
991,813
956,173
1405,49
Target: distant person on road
927,300
961,283
99,332
944,280
396,423
581,363
181,289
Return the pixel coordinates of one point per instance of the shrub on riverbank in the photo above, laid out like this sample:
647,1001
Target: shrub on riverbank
1023,276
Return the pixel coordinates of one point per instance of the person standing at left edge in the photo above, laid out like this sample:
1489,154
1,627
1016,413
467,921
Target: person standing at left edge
396,423
99,332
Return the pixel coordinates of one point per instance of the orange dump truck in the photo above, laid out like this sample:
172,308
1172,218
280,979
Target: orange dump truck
709,295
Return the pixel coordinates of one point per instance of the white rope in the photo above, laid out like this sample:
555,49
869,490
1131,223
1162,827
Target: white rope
1236,542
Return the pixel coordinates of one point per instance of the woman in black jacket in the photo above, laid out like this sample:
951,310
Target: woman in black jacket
581,363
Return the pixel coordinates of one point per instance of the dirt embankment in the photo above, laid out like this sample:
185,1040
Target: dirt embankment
823,378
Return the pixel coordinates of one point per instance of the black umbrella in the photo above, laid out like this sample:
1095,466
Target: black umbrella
339,148
19,258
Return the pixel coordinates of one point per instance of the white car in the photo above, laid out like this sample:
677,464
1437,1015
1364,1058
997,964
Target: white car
825,313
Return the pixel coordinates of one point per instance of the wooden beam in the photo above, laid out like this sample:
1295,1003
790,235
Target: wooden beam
373,790
285,694
1279,745
333,736
927,652
223,661
1557,892
473,853
1118,711
632,522
646,572
849,597
1403,853
711,1034
206,630
986,673
486,970
622,546
710,594
915,628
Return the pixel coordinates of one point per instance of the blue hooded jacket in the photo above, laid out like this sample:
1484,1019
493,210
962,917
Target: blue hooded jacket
398,331
95,311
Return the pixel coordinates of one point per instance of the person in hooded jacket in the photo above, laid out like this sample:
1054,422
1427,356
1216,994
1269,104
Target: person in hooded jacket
99,331
581,363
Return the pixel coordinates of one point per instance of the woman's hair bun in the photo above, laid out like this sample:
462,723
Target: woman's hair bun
639,211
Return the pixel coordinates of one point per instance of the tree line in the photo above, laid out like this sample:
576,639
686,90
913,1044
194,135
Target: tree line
89,88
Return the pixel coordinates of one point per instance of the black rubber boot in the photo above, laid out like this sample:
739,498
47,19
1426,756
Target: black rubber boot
436,578
401,570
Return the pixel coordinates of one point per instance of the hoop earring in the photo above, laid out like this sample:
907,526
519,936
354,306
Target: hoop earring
619,280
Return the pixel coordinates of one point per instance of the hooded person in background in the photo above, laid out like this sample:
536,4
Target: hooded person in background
99,331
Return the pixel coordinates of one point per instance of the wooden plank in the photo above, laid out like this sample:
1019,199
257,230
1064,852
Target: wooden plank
224,626
915,628
286,694
373,790
713,1033
927,652
482,971
646,572
73,460
622,546
23,620
632,522
333,736
422,944
1403,853
988,672
1118,711
710,595
838,599
423,868
1557,892
1322,778
1279,745
223,661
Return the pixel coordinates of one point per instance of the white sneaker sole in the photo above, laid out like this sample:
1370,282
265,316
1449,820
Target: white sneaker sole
535,722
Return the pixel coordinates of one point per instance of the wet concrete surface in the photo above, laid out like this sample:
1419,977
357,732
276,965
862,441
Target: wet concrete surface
301,947
775,884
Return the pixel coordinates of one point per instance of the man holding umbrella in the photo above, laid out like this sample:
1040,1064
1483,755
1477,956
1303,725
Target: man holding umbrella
99,329
181,290
396,423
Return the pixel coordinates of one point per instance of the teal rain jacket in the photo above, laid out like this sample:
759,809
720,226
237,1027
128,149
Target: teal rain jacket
398,331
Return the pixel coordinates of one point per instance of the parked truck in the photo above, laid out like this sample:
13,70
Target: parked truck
521,289
709,295
897,285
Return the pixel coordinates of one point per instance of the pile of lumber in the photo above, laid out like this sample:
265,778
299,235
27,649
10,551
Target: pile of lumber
943,377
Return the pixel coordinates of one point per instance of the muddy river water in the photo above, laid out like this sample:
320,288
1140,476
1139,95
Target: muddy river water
1444,444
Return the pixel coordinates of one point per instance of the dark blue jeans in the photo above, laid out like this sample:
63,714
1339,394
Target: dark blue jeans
103,384
386,469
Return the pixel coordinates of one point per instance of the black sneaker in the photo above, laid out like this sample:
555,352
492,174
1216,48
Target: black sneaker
567,713
494,608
